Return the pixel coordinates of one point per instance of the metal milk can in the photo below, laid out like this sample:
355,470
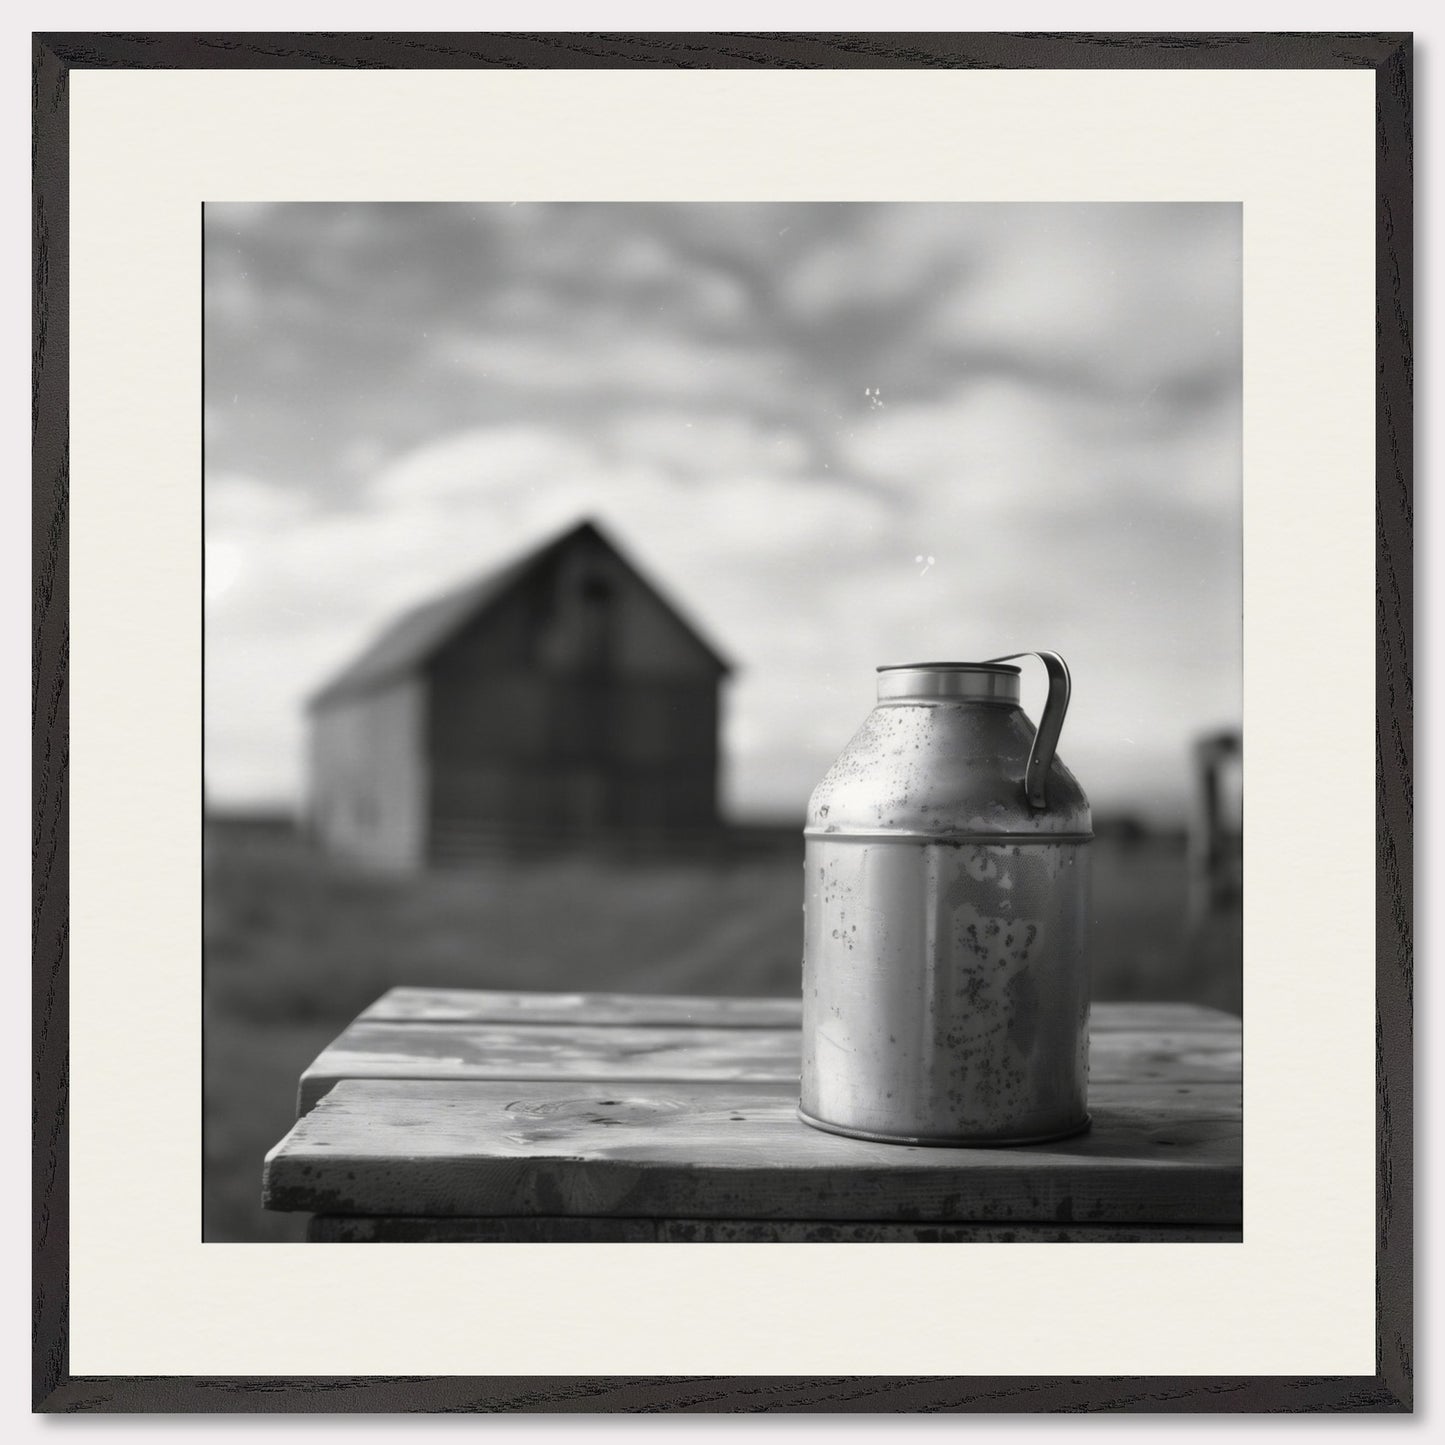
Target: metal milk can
945,951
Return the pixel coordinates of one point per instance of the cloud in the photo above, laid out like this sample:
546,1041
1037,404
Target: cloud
495,461
232,297
1138,297
641,267
892,257
684,442
237,504
240,217
642,362
1011,445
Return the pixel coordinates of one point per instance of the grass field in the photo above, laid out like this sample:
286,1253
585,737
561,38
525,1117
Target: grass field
297,945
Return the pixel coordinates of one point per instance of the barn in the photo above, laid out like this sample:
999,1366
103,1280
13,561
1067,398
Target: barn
560,698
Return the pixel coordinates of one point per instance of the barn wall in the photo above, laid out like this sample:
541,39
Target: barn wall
539,721
550,752
369,777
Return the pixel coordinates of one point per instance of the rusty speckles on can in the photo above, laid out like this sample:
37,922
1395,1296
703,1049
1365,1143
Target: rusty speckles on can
945,956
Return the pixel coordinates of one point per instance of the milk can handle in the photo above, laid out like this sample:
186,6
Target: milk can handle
1046,739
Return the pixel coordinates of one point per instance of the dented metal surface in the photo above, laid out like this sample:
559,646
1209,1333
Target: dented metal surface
945,958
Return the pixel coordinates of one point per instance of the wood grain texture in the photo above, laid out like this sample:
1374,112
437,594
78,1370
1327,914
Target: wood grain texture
466,1005
538,1229
50,725
541,1051
722,1394
738,1151
1394,723
684,50
544,1052
1389,1389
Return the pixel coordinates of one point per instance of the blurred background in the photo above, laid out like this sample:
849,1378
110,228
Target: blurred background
820,438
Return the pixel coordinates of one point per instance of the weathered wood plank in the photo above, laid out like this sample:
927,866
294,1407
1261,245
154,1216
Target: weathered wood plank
1145,1058
457,1005
540,1229
539,1052
465,1005
544,1051
738,1151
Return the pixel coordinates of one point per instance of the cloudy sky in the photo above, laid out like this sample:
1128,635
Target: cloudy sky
836,435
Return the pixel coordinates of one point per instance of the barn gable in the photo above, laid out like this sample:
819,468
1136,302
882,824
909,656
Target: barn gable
415,638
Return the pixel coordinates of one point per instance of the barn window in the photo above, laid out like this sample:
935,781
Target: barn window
597,622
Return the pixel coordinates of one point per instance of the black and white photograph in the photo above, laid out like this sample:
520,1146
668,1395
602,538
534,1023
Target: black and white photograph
722,722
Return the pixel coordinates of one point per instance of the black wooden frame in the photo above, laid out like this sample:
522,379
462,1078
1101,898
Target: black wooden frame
1390,1388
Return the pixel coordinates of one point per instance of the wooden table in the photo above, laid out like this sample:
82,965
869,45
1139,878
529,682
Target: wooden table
462,1115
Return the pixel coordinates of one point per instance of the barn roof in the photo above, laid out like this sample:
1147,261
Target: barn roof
418,634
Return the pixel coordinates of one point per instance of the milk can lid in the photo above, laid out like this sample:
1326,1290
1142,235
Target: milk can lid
949,667
963,681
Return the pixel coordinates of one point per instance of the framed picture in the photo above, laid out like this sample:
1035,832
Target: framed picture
169,168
